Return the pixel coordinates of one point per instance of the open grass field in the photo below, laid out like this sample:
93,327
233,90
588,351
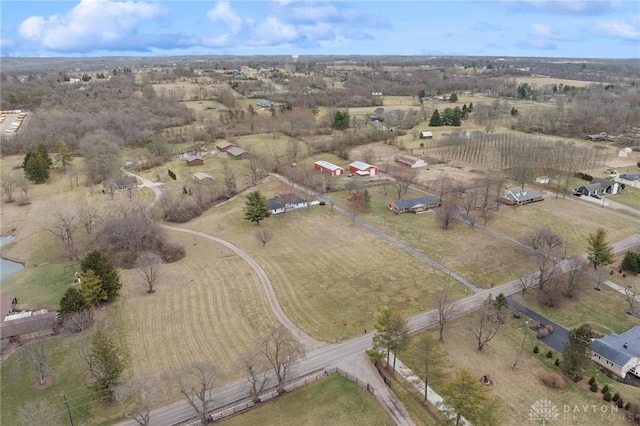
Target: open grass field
331,401
68,370
520,388
478,256
208,307
540,81
321,267
604,310
630,197
573,219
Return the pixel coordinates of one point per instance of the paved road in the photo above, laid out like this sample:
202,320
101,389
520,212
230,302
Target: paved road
556,340
346,354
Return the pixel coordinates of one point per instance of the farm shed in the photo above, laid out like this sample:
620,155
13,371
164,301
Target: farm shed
194,160
411,161
202,177
414,205
426,135
518,196
283,203
28,324
237,153
543,180
329,168
224,146
363,169
120,184
599,186
618,353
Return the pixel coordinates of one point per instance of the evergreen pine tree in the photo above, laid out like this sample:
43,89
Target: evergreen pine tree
436,120
72,301
256,208
90,287
105,357
600,252
107,273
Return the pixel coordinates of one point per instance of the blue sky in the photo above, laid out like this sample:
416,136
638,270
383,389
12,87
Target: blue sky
542,28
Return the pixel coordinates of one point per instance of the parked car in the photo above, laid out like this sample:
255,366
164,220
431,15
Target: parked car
577,194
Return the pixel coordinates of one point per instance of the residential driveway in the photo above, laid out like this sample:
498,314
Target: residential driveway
556,340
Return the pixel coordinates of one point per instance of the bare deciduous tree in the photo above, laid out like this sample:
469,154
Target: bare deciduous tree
256,366
229,179
281,350
575,275
84,352
149,267
89,218
137,397
631,293
76,322
8,186
446,310
294,149
196,383
545,245
447,213
63,226
527,281
23,184
264,235
404,177
486,323
39,360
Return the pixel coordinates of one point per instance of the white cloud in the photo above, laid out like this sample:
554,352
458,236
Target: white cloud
543,31
92,24
629,30
274,31
224,13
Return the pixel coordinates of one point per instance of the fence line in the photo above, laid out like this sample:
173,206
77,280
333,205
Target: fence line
273,393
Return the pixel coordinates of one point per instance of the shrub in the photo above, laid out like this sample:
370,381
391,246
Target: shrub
557,363
627,406
620,403
616,396
536,349
552,380
542,333
606,396
592,380
605,389
550,354
549,328
631,262
594,387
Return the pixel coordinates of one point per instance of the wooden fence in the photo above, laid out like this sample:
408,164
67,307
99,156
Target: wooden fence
272,393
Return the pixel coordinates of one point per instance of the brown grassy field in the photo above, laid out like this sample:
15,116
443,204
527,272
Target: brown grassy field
521,387
480,257
208,306
321,267
570,218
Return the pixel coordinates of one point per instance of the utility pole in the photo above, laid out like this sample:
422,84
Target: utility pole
64,395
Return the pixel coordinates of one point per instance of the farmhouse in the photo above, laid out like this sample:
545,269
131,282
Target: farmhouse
411,161
542,180
283,203
120,184
263,103
329,168
597,137
629,179
363,169
618,353
518,196
237,153
599,186
194,160
224,146
414,205
426,135
202,177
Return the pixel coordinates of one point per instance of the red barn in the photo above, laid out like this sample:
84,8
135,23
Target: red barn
363,169
326,167
194,160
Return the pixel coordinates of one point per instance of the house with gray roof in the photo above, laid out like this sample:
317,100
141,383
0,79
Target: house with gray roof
600,187
283,203
236,152
618,353
519,196
414,205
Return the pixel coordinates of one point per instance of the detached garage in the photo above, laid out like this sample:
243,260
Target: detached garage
363,169
329,168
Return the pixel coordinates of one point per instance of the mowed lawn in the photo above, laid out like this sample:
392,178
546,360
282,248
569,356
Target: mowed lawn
521,387
480,257
573,219
331,277
331,401
208,307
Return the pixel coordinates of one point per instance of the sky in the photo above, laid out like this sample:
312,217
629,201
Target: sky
503,28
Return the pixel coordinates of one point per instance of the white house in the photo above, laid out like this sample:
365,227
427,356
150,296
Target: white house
283,203
426,135
411,161
618,353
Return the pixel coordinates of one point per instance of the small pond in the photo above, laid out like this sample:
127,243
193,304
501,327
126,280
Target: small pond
8,267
